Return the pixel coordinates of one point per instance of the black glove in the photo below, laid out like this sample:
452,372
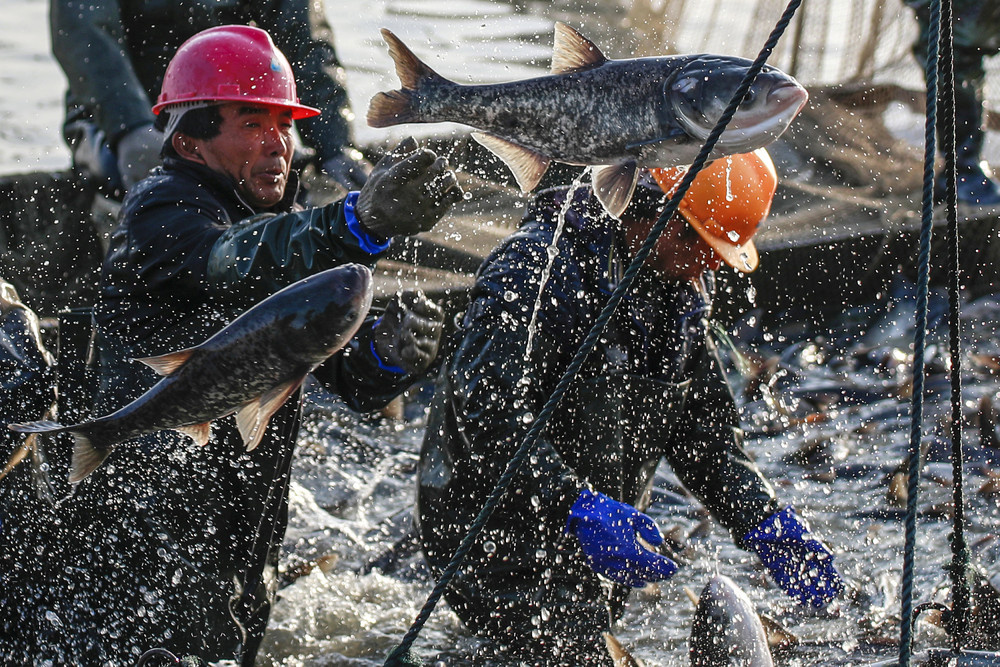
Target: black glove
349,168
406,337
407,192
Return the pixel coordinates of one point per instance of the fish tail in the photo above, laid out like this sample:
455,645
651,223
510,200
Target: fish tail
399,106
86,456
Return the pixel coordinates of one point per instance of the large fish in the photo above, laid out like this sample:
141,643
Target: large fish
618,115
250,367
727,632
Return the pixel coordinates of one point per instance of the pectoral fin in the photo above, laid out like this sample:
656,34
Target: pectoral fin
527,165
253,417
614,185
166,364
200,433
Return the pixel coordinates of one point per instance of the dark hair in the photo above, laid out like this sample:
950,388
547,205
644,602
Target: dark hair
200,123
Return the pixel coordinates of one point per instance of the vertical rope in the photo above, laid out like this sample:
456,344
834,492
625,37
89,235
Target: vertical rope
401,654
919,342
958,627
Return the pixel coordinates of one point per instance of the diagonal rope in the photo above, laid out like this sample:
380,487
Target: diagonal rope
919,337
400,655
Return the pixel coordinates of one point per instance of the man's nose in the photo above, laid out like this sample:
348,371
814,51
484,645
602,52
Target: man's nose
275,141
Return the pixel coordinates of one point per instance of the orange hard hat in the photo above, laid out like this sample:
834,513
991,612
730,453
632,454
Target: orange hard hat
231,63
726,202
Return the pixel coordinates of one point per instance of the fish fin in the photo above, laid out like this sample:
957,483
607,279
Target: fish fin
166,364
528,166
252,418
392,108
614,185
200,433
86,457
572,52
411,70
20,454
619,654
41,426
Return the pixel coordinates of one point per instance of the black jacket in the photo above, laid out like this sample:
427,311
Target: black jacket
652,389
176,545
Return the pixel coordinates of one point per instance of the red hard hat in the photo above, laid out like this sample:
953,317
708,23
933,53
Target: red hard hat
231,63
726,202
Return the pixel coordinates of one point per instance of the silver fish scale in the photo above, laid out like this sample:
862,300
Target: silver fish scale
576,118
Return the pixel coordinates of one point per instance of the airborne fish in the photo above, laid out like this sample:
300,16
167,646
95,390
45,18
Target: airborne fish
250,367
617,115
727,632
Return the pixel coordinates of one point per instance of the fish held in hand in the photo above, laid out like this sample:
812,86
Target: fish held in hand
250,368
727,632
618,116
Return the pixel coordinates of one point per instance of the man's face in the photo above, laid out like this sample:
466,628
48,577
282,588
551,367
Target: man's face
679,253
254,148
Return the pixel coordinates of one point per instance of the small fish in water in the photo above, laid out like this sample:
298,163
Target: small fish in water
727,632
617,115
250,367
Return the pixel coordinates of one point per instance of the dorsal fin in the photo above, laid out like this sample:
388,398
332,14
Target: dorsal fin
166,364
572,52
528,166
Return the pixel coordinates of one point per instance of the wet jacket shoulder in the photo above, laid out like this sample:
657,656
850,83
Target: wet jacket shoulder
114,54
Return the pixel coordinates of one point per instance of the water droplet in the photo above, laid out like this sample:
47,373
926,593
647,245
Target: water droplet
509,296
490,547
733,236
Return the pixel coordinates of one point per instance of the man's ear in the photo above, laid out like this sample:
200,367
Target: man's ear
187,147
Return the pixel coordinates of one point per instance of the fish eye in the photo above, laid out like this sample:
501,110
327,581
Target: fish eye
750,97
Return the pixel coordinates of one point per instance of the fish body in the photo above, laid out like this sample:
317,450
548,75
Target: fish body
250,367
616,115
727,632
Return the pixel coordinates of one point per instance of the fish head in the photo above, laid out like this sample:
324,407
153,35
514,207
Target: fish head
727,630
339,301
699,93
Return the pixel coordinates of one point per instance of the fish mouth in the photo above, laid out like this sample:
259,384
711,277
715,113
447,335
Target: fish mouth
753,129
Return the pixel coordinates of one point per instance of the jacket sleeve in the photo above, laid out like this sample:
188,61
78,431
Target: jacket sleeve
264,253
88,41
187,246
707,453
303,34
497,391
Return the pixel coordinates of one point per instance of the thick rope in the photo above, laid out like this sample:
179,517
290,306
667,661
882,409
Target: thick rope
919,342
958,626
400,655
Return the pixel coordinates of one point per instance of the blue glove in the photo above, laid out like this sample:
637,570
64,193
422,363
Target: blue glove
798,562
607,531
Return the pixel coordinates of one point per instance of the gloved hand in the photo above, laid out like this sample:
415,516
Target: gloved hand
606,529
138,152
349,168
798,562
405,339
407,192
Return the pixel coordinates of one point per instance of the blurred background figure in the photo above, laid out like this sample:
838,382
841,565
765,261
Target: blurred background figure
114,54
976,37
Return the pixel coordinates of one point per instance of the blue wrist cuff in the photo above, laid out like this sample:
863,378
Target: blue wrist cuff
367,242
381,364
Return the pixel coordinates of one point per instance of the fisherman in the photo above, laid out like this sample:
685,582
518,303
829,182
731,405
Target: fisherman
175,546
556,561
114,54
976,36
